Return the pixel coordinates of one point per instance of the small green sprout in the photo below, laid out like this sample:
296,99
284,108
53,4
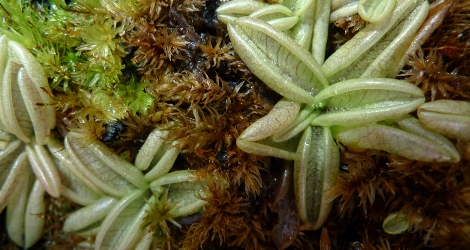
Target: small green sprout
159,213
396,223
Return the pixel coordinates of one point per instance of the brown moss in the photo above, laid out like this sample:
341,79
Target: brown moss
156,46
439,67
438,202
209,115
192,89
236,220
432,74
434,196
89,128
136,130
325,241
216,54
347,28
54,238
362,181
222,217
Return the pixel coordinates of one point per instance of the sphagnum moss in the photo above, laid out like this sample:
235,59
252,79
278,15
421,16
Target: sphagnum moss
118,70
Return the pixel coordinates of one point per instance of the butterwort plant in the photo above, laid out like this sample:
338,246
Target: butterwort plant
350,98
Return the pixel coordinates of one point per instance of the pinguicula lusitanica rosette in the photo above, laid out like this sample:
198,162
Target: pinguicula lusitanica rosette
351,97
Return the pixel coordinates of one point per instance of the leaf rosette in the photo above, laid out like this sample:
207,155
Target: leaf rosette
352,94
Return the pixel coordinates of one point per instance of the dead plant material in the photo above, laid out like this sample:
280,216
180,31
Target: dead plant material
222,217
156,47
431,73
349,26
439,68
217,53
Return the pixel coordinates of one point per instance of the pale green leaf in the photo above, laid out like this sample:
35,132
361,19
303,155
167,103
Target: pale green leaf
352,58
267,147
320,30
299,124
448,117
101,172
361,101
392,140
375,10
34,224
165,160
173,177
315,169
392,59
90,214
336,4
231,10
13,111
116,163
396,223
410,124
280,117
44,168
12,170
184,195
271,12
154,147
284,23
279,16
75,186
344,11
276,59
302,32
119,219
15,219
